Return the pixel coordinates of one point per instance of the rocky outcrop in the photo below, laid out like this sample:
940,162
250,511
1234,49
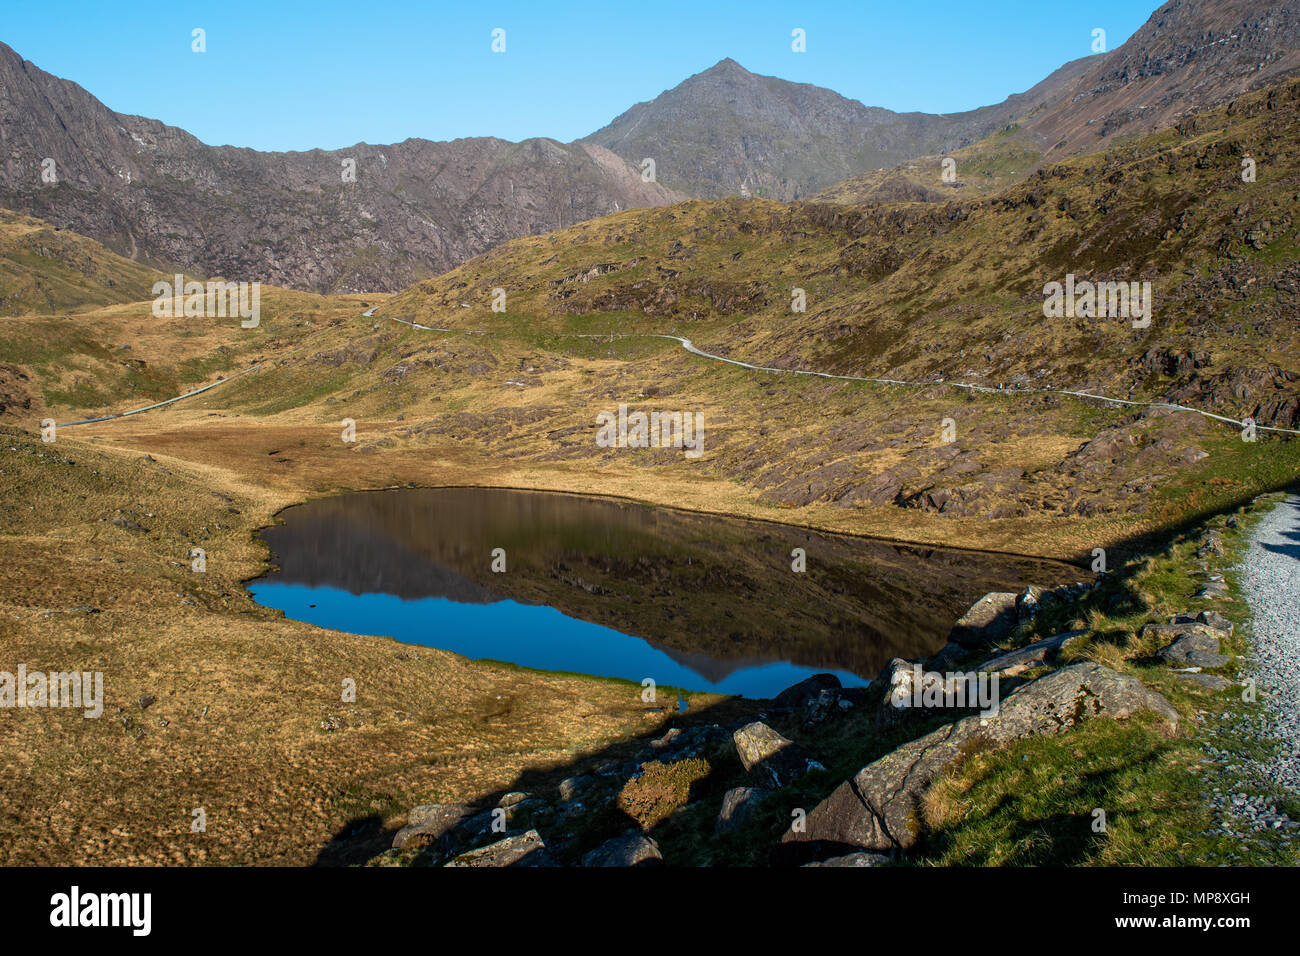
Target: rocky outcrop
877,808
1031,655
432,824
990,618
523,849
797,696
737,805
771,758
630,849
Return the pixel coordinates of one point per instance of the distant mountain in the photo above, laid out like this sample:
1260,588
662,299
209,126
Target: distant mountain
727,131
155,193
1190,56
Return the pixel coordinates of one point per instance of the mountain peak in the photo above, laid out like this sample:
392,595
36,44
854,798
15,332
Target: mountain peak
727,65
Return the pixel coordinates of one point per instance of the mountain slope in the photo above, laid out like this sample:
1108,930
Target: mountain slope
955,290
155,193
727,131
1190,56
45,270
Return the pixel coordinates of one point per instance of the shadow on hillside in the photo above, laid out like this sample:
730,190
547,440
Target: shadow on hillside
365,837
1156,541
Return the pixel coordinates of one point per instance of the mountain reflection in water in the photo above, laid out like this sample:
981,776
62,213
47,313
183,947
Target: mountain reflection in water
615,589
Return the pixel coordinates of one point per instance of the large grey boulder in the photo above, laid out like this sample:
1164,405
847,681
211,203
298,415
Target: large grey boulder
854,859
770,758
989,619
1014,662
737,805
1168,632
432,823
797,695
630,849
1193,650
522,849
877,808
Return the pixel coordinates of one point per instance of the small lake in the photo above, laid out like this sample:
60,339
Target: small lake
615,589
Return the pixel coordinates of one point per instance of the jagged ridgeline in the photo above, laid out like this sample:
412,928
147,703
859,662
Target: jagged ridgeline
1204,211
154,193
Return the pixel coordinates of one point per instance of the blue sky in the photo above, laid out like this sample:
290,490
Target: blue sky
297,75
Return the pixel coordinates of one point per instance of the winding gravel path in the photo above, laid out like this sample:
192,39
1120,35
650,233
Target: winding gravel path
690,346
1270,583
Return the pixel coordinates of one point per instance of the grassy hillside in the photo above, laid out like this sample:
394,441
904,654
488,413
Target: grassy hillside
955,290
44,269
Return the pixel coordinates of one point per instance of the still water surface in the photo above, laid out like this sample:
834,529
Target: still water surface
615,589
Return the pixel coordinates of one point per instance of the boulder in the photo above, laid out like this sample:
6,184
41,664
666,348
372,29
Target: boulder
816,710
876,809
1014,662
1027,603
432,823
1194,650
771,758
572,787
795,696
1168,632
737,805
630,849
854,859
896,682
521,849
989,619
1216,620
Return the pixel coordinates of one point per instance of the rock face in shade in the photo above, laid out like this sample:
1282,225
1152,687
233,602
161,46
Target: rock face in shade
990,618
796,696
770,758
737,805
432,823
523,849
631,849
876,809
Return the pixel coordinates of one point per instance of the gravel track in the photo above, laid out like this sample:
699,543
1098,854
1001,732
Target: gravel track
1270,583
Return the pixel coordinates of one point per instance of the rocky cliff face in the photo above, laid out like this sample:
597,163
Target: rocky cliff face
1190,55
155,193
727,132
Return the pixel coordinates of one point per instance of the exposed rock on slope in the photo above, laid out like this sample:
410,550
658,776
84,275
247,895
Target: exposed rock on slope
417,208
727,131
876,809
1191,55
